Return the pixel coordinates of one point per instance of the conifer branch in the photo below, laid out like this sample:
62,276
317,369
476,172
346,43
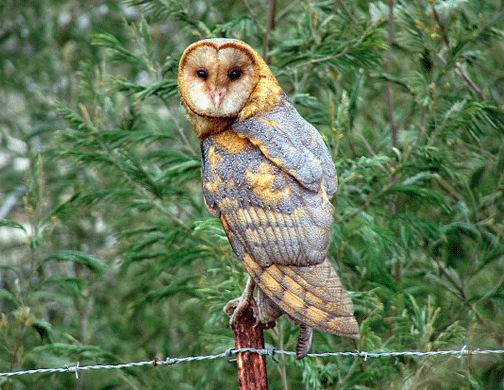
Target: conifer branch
459,69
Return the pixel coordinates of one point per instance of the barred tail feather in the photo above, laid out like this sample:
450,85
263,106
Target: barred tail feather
304,341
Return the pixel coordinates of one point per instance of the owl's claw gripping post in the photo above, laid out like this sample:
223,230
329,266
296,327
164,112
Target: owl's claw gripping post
235,308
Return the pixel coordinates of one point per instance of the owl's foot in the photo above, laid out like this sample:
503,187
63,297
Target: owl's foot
235,308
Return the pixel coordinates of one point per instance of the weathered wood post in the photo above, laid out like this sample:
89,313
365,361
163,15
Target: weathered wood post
251,366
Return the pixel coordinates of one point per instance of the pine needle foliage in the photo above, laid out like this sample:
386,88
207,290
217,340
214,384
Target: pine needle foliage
108,254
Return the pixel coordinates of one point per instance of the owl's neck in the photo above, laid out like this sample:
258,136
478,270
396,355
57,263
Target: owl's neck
265,96
206,126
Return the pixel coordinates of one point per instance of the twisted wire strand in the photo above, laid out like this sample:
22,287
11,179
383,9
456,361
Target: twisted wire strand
231,351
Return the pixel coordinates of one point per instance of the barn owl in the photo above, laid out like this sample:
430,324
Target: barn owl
268,176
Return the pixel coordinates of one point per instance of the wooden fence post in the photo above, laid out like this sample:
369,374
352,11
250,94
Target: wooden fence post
251,366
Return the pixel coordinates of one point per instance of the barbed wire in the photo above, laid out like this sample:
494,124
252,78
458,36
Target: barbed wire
231,351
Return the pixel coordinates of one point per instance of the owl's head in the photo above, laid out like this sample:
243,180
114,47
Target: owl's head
217,77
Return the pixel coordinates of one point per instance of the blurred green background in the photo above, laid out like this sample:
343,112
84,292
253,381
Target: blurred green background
108,255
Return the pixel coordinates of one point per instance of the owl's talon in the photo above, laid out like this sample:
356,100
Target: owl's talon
231,306
236,307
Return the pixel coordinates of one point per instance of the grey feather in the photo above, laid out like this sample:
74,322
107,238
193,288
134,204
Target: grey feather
296,142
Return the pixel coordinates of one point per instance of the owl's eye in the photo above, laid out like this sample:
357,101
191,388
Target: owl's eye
234,74
202,74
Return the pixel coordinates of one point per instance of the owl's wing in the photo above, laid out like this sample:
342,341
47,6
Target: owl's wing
292,144
309,293
265,211
278,227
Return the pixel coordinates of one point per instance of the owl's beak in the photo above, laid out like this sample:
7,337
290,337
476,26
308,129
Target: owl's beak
217,96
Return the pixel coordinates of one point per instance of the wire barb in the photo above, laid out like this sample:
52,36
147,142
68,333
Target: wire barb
76,370
271,352
170,361
228,353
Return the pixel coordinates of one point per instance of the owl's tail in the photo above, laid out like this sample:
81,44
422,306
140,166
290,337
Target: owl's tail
312,295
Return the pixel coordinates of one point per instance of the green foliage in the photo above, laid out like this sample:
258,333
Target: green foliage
109,255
